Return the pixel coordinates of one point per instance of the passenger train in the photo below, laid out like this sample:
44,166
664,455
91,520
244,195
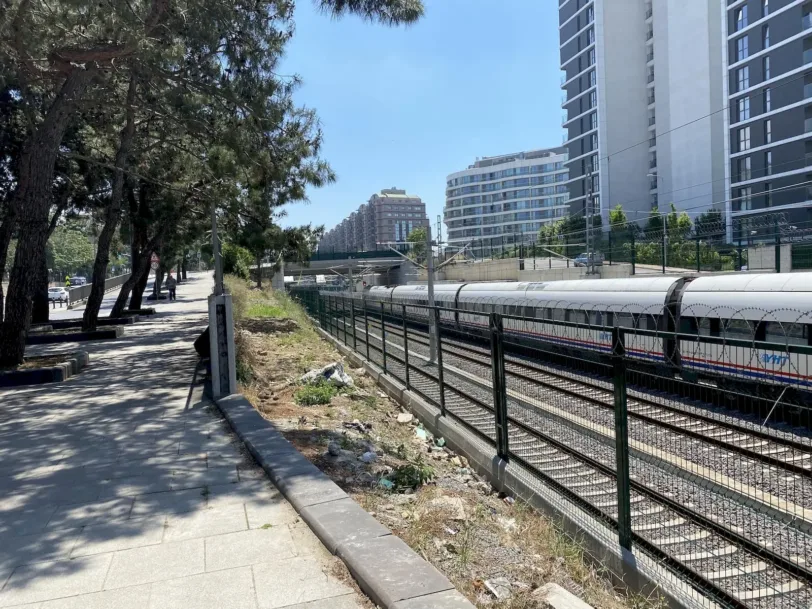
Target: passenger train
773,308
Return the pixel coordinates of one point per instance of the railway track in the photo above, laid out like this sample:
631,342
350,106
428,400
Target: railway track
756,560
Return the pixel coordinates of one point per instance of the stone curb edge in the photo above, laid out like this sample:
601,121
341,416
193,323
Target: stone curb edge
386,569
509,477
110,332
51,374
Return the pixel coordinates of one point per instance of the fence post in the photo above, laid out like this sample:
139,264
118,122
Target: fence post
352,322
383,338
739,256
344,318
610,247
624,516
406,348
698,259
366,327
567,250
634,254
499,387
440,379
318,310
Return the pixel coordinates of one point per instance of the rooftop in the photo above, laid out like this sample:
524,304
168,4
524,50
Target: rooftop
518,156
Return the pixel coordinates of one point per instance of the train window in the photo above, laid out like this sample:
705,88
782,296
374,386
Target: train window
688,325
709,326
739,329
792,334
596,318
530,312
579,317
559,314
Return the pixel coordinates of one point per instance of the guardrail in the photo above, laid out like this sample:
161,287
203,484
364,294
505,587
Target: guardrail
81,293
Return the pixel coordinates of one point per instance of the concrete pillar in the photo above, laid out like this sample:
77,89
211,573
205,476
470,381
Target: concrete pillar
221,340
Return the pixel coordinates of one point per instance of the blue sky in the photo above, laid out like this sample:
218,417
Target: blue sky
407,106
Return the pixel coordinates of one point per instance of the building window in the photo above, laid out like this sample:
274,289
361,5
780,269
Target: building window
741,18
768,163
744,169
768,132
742,48
768,194
590,14
590,58
593,120
743,78
766,65
744,139
768,99
590,36
593,79
745,199
765,37
765,8
594,141
593,99
744,108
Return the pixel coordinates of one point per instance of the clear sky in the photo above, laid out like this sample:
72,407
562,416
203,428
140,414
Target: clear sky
405,107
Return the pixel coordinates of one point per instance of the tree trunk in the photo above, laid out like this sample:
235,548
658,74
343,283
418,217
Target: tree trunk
31,202
39,304
259,271
137,297
184,264
6,231
112,215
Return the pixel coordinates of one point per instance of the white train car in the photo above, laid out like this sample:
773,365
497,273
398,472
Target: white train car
775,308
445,295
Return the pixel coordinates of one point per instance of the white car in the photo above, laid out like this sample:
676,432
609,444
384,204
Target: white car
58,294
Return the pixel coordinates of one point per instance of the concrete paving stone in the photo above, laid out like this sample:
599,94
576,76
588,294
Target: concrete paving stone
252,472
295,581
115,536
205,523
338,522
242,492
40,547
389,571
450,599
231,589
337,602
140,485
274,511
26,521
81,514
135,597
211,477
248,548
165,504
155,563
52,580
306,542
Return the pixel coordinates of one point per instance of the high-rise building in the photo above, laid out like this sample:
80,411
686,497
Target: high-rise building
502,200
389,217
769,98
643,90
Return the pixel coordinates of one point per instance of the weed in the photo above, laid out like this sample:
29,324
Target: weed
245,374
267,525
317,393
411,475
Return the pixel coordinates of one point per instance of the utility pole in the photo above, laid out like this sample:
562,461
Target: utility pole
430,280
215,248
588,214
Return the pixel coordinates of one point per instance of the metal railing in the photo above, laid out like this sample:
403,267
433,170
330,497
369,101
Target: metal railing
81,293
615,420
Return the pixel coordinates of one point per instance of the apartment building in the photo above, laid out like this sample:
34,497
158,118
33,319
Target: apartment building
388,217
501,200
769,118
643,85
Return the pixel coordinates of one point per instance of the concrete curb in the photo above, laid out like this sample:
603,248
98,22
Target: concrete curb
511,478
52,374
72,337
387,570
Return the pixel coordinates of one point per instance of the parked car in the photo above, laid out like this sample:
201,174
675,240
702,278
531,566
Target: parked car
586,259
78,281
58,294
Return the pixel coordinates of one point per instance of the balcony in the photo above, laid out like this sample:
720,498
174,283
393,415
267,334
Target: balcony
652,120
808,125
808,56
652,164
651,98
807,90
652,185
564,120
652,142
651,77
649,57
649,13
649,34
806,21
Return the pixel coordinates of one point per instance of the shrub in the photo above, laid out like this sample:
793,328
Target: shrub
315,394
411,475
236,260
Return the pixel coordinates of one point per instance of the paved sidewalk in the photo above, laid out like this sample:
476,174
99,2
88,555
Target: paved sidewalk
124,488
